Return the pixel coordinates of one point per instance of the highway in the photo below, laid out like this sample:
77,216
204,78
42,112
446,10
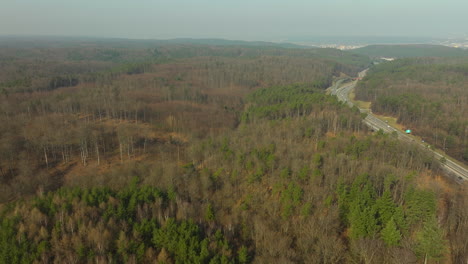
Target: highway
452,169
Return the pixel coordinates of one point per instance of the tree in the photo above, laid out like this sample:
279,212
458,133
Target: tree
362,208
209,213
390,234
362,222
420,204
318,160
385,207
430,243
243,255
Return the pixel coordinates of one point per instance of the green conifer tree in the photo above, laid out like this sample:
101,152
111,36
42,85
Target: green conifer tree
400,220
390,234
430,243
385,207
243,255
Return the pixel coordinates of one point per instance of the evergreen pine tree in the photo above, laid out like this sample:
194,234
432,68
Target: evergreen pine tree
390,234
430,241
421,204
400,220
385,207
243,255
362,213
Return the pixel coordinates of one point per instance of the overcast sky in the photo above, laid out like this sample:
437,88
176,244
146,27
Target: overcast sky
234,19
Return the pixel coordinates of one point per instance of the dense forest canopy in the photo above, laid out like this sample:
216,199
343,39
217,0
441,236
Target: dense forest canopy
190,153
429,95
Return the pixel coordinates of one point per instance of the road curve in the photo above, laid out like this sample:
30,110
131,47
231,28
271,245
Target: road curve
451,168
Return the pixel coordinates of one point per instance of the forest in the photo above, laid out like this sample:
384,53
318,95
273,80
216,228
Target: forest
428,95
148,152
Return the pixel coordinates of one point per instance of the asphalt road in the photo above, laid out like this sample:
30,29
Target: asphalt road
455,170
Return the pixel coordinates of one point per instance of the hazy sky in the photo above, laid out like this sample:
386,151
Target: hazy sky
234,19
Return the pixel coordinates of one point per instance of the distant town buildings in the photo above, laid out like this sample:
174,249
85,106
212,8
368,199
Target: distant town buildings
455,43
341,47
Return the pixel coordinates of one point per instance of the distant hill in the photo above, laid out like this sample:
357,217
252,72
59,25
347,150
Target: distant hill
131,50
225,42
410,50
48,41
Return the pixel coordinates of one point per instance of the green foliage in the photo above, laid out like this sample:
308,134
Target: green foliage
13,250
189,168
293,193
317,173
328,201
122,211
209,213
318,160
257,175
290,198
243,255
287,101
362,222
184,241
400,220
144,230
390,233
23,83
366,213
286,173
420,205
304,173
228,153
306,209
95,196
385,207
131,198
321,144
430,242
357,147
